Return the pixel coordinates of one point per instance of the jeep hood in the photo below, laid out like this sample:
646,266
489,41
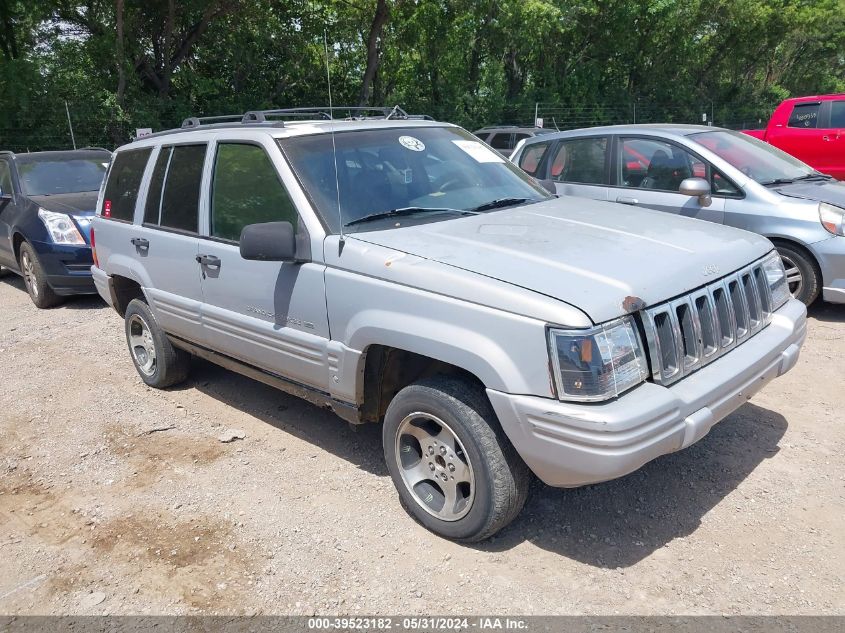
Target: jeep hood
606,259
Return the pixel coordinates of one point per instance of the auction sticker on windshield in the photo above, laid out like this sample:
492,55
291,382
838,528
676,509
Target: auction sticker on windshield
480,153
412,143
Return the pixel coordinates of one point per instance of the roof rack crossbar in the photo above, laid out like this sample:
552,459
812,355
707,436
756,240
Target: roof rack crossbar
196,121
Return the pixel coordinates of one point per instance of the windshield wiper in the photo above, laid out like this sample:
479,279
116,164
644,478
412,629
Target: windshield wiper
403,211
789,181
501,202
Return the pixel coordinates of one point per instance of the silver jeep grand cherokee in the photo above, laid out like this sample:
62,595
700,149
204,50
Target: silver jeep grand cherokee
398,270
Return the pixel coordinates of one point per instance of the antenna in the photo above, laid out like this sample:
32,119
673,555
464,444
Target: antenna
334,147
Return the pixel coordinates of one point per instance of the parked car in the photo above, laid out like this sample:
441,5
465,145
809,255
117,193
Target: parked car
503,138
712,174
400,271
47,200
811,129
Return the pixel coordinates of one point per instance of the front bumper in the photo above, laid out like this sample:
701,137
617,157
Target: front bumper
570,444
68,268
830,254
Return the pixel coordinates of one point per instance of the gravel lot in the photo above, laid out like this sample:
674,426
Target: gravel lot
115,498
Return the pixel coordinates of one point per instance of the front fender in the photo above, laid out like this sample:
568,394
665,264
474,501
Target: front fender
505,351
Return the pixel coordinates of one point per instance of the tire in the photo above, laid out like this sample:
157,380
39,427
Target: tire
158,363
35,278
805,275
445,427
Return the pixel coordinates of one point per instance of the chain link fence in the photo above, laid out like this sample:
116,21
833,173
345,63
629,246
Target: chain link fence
53,130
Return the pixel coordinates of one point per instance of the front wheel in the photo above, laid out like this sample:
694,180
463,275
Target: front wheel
454,468
35,278
802,275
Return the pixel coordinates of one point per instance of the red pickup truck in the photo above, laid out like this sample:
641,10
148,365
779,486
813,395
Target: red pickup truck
811,129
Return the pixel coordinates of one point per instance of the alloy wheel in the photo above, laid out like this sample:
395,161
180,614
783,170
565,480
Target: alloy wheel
142,345
794,278
434,466
28,268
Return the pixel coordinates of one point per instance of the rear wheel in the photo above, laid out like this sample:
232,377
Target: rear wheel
454,468
158,363
35,278
802,275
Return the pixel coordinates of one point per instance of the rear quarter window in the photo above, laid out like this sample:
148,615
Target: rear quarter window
124,181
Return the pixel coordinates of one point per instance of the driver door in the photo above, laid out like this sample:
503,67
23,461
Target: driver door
648,173
269,314
7,209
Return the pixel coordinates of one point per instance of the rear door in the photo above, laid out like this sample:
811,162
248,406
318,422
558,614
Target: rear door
647,172
579,167
831,160
803,135
268,314
7,207
166,241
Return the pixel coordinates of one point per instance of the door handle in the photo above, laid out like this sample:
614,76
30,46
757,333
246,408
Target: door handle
140,242
825,137
627,200
209,260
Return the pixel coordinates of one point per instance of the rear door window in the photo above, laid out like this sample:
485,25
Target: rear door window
837,114
246,190
805,115
174,193
124,181
501,141
581,160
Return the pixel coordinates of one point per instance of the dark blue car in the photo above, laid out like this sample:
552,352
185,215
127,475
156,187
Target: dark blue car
47,200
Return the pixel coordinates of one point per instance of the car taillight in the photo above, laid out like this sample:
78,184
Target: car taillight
94,249
107,208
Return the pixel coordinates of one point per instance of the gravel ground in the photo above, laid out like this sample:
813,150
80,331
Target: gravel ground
116,498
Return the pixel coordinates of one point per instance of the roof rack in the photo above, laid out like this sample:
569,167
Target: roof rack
353,113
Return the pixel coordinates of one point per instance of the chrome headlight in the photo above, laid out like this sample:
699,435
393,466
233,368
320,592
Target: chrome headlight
61,228
832,218
599,363
776,278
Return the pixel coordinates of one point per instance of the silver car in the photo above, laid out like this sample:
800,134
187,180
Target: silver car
401,272
713,174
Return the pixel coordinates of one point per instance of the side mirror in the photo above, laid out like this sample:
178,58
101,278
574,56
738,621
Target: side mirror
269,242
696,188
4,195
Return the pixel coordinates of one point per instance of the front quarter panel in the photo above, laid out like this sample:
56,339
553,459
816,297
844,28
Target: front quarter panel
505,351
778,218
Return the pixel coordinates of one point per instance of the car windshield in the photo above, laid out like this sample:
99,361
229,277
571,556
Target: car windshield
424,174
49,177
758,160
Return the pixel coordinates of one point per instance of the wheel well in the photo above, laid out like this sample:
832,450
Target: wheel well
387,370
799,247
125,290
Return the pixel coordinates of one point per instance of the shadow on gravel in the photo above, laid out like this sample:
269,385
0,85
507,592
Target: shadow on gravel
325,430
620,522
614,524
827,312
75,302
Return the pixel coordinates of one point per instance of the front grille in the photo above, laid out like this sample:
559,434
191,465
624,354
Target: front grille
691,331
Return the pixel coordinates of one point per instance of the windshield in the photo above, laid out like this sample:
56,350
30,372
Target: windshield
756,159
48,177
422,174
